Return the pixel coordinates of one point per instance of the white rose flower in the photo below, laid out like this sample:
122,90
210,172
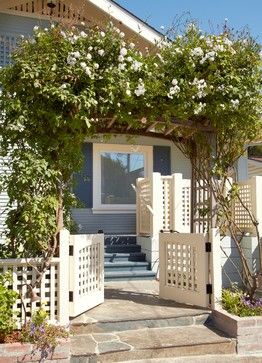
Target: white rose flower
83,34
102,34
121,58
123,52
88,56
101,52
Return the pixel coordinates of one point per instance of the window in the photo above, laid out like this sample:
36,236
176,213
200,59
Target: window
116,168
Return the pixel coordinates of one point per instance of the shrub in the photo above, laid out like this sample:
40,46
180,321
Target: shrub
236,302
45,335
7,299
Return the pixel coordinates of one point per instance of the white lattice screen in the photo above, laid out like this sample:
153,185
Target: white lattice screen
23,273
186,204
143,200
86,281
166,202
242,217
40,7
202,207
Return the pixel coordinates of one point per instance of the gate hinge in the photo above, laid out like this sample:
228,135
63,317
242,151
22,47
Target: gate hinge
208,247
71,296
209,288
71,250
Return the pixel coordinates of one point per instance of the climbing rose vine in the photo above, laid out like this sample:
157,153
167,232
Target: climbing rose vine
63,82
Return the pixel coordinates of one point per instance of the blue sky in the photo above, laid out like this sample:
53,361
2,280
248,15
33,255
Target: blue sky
209,13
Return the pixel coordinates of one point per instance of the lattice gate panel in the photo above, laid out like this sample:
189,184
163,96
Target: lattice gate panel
183,268
86,282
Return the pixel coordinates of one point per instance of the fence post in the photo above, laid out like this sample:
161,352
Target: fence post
176,209
215,267
256,200
156,219
63,279
138,206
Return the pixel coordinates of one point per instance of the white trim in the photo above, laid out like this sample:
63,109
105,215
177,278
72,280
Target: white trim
100,208
130,21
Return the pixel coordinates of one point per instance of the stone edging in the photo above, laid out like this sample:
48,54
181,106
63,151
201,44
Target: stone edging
25,353
247,330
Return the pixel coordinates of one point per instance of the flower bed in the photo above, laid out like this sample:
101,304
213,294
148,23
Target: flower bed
247,330
17,352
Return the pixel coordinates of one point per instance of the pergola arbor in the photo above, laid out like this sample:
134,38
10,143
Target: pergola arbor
201,91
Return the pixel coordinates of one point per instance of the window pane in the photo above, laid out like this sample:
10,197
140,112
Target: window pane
118,172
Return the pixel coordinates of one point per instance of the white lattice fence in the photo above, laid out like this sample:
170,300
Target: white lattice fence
163,203
24,273
144,202
241,214
86,281
186,205
166,194
202,207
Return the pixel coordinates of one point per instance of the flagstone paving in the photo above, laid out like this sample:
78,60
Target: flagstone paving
134,323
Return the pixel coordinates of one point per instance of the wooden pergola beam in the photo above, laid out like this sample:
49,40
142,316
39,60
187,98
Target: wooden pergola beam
171,129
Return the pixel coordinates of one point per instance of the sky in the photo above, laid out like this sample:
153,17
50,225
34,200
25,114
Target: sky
209,13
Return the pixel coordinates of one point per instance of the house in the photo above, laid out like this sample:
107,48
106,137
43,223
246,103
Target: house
102,208
106,185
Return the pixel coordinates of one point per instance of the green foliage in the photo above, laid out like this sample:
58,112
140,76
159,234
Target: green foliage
44,334
7,299
64,83
236,302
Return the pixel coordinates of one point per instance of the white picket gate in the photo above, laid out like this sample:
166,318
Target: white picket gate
189,268
86,278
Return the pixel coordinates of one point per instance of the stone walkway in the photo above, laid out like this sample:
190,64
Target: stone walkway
134,323
137,301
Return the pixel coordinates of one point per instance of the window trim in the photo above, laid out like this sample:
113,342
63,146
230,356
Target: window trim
98,207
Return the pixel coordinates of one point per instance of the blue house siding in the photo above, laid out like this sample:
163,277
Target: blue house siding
83,187
11,29
19,24
88,222
110,223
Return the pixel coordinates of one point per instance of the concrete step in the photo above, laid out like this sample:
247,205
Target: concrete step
120,257
148,343
208,358
122,248
125,266
120,240
129,275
